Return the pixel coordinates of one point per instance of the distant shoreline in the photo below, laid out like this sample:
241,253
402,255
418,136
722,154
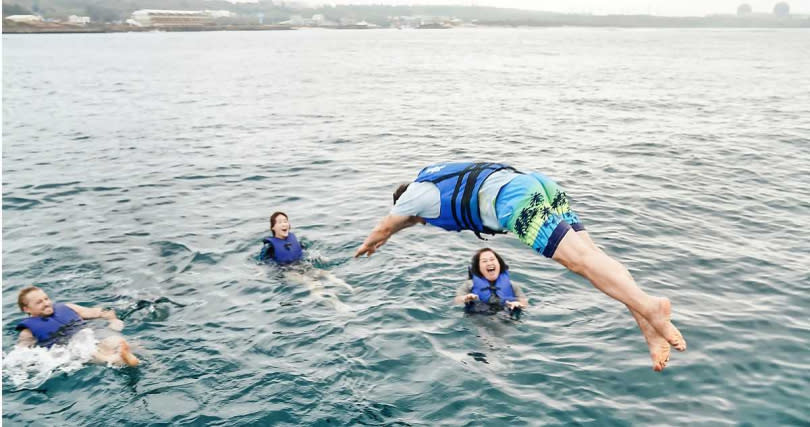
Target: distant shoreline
573,21
95,29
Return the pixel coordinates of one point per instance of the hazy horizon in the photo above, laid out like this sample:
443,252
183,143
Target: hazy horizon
621,7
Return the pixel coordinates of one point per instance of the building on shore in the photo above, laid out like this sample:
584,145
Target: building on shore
24,19
173,18
78,20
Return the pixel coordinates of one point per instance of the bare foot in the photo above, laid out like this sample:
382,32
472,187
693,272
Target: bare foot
659,319
659,352
127,356
659,347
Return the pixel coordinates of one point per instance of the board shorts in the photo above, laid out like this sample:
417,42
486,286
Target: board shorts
536,209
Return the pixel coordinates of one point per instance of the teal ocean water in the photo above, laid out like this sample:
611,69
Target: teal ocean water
145,166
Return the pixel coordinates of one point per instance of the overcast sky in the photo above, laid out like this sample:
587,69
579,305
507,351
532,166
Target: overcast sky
651,7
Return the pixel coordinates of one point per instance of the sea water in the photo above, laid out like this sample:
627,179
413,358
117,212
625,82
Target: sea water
144,166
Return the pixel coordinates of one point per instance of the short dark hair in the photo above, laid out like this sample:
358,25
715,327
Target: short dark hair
476,270
24,293
401,189
273,220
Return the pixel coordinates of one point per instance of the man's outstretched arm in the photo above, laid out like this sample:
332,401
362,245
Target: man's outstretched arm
98,313
385,229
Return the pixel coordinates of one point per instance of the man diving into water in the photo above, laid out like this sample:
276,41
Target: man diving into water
495,198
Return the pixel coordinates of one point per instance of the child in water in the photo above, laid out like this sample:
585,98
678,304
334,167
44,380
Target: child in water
51,323
283,248
489,289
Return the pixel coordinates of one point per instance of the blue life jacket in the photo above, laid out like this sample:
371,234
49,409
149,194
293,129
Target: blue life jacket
502,287
458,186
285,251
54,329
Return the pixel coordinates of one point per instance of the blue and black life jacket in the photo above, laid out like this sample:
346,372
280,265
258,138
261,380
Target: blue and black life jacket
54,329
458,185
284,251
502,289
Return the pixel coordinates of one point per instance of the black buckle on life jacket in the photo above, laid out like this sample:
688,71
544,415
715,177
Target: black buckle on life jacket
494,299
489,231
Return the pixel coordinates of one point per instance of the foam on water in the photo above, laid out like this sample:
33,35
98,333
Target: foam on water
31,367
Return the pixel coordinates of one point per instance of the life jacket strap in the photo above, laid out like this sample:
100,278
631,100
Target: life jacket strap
470,173
494,299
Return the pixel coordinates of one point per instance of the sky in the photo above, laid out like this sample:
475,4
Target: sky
648,7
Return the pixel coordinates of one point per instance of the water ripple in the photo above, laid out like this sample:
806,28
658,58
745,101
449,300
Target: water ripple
697,185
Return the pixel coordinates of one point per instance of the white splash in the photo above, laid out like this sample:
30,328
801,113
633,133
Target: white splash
31,367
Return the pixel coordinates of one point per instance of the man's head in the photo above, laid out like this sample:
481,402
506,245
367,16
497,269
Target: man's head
35,302
398,192
279,225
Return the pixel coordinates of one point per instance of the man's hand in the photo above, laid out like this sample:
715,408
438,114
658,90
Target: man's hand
368,248
385,229
116,325
364,249
107,314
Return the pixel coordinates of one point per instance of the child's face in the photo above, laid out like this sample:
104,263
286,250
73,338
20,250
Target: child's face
282,227
37,303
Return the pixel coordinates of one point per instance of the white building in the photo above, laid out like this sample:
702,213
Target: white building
318,19
79,20
220,13
172,18
26,19
297,21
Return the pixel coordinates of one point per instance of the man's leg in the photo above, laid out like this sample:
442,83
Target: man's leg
659,347
126,354
613,279
115,350
537,210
